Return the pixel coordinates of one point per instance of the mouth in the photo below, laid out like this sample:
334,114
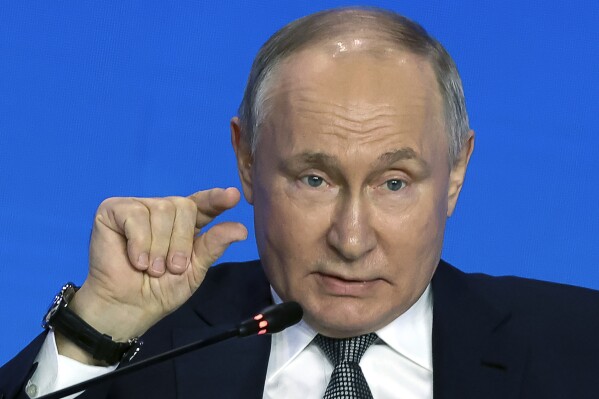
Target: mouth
342,286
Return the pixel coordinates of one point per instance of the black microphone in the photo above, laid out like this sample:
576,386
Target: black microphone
271,320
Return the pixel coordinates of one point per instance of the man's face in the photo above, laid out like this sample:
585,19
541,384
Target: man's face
351,186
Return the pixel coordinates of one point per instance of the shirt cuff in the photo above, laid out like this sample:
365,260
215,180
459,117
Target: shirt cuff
56,372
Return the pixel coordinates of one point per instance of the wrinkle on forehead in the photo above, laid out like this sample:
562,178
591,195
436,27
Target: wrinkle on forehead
353,118
355,99
351,122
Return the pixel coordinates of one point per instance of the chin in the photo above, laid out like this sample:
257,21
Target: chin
344,320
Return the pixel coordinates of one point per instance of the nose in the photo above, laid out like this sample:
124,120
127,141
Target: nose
351,233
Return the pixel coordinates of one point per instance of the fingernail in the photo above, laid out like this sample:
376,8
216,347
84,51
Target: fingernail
158,265
143,261
179,261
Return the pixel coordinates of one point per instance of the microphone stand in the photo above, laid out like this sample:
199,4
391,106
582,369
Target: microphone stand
272,319
81,386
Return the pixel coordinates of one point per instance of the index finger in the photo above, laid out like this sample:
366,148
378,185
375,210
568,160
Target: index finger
213,202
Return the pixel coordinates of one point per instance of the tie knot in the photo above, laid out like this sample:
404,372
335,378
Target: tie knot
340,350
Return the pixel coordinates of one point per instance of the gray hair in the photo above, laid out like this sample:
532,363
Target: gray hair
315,28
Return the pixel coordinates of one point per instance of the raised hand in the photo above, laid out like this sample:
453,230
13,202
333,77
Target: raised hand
146,259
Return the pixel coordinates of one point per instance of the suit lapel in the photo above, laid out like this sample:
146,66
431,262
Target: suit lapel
475,353
235,368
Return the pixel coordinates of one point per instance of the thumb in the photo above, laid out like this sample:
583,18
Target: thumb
210,246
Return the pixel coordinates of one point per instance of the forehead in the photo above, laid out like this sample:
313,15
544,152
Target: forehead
350,67
343,99
358,79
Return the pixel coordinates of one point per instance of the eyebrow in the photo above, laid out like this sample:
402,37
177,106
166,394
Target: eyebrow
319,159
405,153
313,158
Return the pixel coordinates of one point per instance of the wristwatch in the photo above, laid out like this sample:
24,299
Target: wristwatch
100,346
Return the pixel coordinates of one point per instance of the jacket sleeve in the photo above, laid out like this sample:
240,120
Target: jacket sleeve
15,374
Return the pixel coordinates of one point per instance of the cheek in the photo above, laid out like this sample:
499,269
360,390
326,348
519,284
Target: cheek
289,232
284,211
414,233
280,219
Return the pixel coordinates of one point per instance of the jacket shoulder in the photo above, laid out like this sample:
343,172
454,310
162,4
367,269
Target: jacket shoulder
520,291
533,303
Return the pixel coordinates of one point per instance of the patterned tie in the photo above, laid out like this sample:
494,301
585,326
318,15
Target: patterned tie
347,380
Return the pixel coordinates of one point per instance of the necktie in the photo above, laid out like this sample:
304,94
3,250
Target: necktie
347,380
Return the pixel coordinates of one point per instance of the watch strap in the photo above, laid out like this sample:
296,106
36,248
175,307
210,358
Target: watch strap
99,346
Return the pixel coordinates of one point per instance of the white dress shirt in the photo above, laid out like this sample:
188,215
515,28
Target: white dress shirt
56,372
398,365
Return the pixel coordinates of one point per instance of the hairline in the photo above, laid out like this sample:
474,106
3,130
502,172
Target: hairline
253,112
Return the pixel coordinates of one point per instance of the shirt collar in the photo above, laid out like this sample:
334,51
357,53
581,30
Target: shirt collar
289,343
410,335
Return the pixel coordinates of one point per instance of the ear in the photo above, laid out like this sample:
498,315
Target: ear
243,153
458,173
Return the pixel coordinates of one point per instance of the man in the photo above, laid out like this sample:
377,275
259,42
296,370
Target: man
352,144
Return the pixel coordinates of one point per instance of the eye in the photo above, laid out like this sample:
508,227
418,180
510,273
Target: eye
395,184
313,181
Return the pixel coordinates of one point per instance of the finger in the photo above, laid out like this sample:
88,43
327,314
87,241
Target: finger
208,247
129,217
137,231
182,236
162,217
211,203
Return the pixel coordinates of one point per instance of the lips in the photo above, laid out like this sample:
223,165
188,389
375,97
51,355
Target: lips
340,286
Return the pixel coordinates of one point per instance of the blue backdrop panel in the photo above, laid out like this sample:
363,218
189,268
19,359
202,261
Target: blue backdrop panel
102,99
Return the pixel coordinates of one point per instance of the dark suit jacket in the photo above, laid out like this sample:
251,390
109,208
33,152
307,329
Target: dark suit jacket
493,337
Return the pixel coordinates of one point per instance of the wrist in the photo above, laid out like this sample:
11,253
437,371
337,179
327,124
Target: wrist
120,321
78,339
66,347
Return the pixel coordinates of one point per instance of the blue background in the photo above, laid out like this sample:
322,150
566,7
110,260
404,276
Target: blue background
113,98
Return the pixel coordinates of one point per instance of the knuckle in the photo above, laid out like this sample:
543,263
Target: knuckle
185,205
135,209
186,216
108,204
162,205
106,210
